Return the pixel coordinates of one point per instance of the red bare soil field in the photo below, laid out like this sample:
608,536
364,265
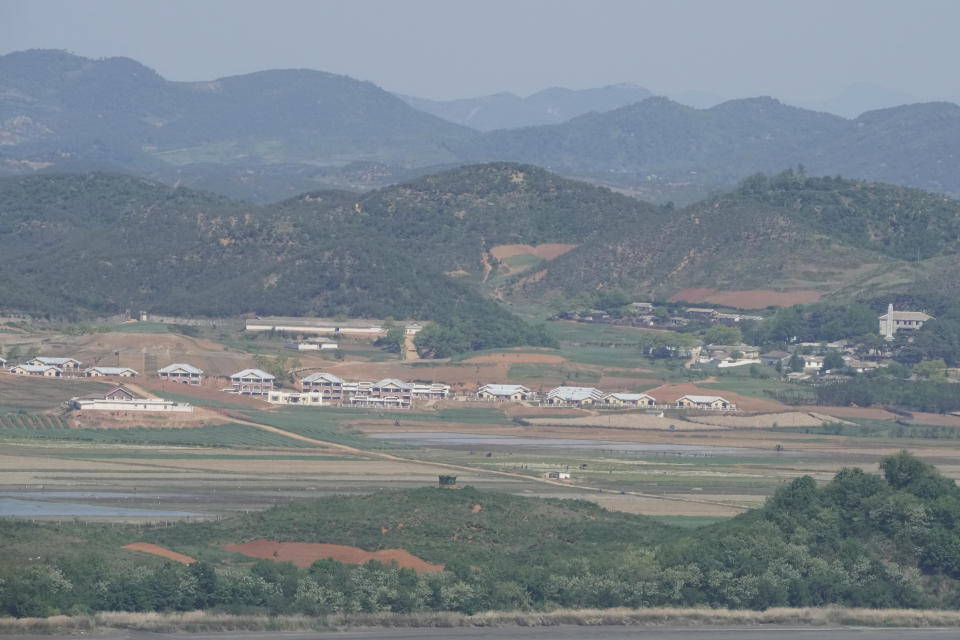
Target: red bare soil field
671,392
303,554
546,251
157,550
749,299
201,393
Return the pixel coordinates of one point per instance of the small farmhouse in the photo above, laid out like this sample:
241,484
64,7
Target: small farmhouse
251,382
64,364
99,372
43,370
574,396
773,358
629,400
704,402
181,373
503,392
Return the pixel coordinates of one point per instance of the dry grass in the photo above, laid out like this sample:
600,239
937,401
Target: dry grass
660,616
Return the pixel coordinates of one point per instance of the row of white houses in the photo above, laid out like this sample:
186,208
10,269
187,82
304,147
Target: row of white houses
586,396
328,389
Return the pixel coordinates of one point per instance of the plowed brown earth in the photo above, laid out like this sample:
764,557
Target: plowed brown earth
546,251
157,550
671,392
200,394
304,554
748,299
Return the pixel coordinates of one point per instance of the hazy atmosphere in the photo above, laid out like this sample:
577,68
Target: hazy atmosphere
479,317
804,53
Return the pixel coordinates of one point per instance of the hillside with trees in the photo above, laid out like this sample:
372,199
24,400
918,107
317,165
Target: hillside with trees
79,245
839,237
861,540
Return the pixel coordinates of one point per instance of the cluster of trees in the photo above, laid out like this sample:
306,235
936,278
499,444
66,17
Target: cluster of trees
860,540
931,395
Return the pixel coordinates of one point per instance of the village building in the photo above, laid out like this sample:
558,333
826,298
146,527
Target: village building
724,351
99,372
64,364
392,388
326,384
641,307
43,370
574,396
504,392
327,326
700,314
301,398
181,373
430,390
312,345
629,400
251,382
121,399
893,321
773,358
704,402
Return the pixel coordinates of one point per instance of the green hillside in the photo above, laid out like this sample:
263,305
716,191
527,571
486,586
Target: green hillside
839,237
861,540
78,245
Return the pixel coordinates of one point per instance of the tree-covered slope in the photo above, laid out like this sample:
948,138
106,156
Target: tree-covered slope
863,540
103,243
787,232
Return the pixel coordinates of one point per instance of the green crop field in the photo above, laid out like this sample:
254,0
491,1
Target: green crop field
33,427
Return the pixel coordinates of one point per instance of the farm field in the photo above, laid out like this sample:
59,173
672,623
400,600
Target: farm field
243,454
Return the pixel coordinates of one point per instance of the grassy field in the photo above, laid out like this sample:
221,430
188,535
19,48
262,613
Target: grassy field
18,393
33,428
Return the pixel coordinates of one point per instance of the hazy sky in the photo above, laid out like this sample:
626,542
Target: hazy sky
798,50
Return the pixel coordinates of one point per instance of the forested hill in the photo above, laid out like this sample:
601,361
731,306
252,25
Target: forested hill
103,243
657,145
835,236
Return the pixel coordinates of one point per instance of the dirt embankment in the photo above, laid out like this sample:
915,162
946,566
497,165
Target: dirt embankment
545,251
747,299
157,550
303,554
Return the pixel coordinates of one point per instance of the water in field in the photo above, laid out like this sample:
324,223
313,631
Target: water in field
460,441
23,508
